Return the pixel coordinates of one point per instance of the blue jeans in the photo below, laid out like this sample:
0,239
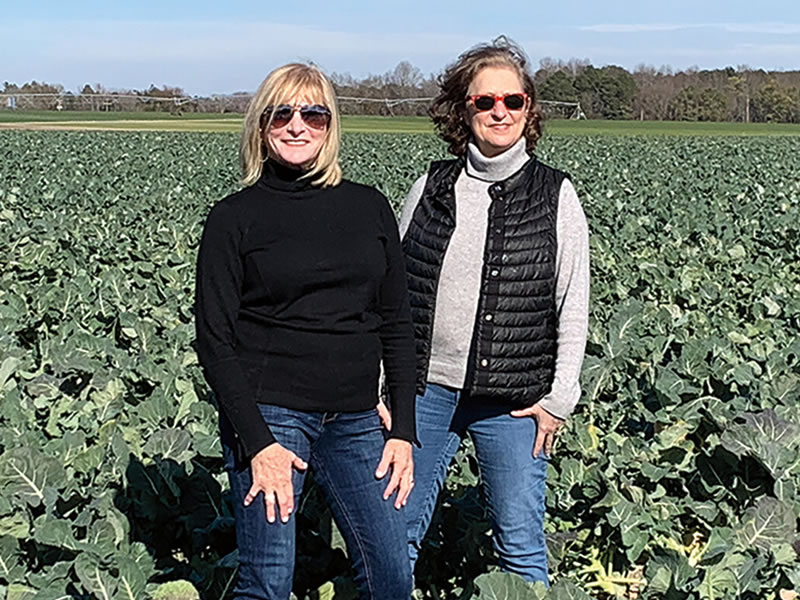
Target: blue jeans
513,481
344,450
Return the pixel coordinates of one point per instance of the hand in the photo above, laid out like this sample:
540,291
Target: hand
272,474
547,427
398,456
385,415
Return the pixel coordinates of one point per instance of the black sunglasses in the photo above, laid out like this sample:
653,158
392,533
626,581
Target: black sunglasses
316,116
484,102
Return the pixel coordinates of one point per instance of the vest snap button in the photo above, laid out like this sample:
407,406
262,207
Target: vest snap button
495,272
484,363
488,317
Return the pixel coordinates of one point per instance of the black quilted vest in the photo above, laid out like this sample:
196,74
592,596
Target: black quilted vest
515,332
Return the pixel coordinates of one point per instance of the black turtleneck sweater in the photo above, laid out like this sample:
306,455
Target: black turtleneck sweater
301,291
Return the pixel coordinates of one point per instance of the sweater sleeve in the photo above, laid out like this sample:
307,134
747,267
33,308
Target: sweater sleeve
397,333
218,293
572,302
411,201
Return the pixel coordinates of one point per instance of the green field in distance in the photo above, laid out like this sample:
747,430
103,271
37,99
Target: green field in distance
230,122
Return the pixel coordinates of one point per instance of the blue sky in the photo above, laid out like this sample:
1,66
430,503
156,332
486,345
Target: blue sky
214,47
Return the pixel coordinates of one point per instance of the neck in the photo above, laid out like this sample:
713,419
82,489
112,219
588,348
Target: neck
284,177
497,167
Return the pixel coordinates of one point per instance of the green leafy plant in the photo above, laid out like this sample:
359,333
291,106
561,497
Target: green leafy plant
676,478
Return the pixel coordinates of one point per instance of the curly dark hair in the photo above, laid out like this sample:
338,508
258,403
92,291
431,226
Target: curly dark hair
449,110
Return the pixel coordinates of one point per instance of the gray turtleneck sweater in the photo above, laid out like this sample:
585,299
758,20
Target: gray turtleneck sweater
459,282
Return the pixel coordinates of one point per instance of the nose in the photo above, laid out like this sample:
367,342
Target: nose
499,110
296,124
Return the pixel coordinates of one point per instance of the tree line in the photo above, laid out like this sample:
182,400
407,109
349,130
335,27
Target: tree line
608,92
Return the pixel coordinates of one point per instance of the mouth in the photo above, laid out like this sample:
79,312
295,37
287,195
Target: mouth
295,142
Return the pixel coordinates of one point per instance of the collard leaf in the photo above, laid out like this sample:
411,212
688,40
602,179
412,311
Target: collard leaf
132,580
672,386
19,591
767,524
622,328
595,376
176,590
102,540
557,546
748,575
669,569
26,472
7,369
15,525
758,432
719,543
174,444
95,580
188,398
565,589
57,591
718,583
504,586
774,443
52,531
52,577
572,473
107,403
12,570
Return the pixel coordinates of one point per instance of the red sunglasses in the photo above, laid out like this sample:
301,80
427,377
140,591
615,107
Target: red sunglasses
316,116
483,102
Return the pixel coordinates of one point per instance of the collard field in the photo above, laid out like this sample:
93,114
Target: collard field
677,478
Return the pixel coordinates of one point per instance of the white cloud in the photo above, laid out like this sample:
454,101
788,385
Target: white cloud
635,27
762,28
768,28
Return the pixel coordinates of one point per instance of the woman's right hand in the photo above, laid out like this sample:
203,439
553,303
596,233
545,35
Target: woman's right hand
272,470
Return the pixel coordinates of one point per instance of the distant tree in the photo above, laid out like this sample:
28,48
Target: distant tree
405,75
795,94
741,89
165,91
547,66
693,104
559,86
41,95
654,88
606,93
772,103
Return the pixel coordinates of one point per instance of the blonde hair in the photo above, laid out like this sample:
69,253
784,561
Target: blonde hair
280,86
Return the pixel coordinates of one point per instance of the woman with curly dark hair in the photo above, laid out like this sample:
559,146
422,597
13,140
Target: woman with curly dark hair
496,248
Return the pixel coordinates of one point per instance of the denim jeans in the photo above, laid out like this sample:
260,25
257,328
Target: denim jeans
513,481
344,450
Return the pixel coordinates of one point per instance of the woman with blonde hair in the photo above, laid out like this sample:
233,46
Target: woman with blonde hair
301,292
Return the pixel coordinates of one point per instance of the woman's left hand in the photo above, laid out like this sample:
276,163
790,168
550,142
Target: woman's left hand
547,427
397,457
385,415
